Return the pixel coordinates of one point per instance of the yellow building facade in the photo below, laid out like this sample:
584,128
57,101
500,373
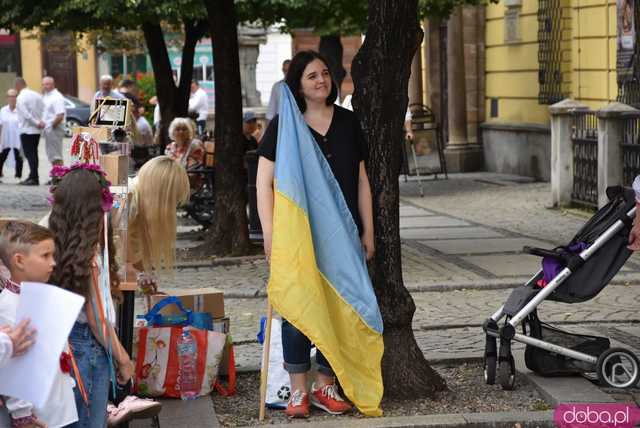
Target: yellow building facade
587,56
72,64
537,53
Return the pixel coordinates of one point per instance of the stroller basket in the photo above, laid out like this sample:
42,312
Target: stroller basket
547,363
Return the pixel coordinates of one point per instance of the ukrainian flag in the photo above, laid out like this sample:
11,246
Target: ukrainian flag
319,280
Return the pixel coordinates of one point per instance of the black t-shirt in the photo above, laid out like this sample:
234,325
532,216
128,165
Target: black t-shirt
343,146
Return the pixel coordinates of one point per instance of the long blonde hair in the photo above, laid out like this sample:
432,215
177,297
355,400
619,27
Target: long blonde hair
162,185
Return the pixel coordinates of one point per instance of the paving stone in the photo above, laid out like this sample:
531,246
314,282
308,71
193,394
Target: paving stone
431,221
419,268
483,246
507,264
449,233
411,211
556,390
197,413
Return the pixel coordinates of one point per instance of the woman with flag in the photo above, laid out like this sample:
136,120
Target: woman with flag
314,202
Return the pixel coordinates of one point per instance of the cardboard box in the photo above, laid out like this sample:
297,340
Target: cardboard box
100,134
116,166
198,300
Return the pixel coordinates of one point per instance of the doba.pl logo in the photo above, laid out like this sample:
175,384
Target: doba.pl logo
600,415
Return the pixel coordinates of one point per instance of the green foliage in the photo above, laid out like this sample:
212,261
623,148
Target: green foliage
441,9
87,15
325,17
146,91
344,17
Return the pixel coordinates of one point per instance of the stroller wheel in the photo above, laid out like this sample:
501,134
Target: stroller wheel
507,374
618,368
490,370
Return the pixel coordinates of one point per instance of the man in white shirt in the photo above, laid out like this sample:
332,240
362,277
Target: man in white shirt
10,134
199,104
30,109
274,98
106,90
53,117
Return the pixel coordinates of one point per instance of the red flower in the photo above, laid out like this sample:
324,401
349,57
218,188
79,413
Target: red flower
65,362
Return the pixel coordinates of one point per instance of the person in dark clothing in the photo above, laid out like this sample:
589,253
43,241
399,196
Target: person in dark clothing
249,127
338,135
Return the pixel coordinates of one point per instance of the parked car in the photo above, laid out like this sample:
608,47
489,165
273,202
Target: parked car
78,113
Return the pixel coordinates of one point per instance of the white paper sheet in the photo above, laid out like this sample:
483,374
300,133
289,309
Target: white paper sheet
52,311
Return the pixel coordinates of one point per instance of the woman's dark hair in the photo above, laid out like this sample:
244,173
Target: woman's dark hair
296,68
76,220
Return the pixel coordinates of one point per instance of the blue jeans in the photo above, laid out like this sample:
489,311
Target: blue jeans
201,127
296,349
93,366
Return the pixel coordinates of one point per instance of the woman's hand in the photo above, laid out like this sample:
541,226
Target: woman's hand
368,244
126,370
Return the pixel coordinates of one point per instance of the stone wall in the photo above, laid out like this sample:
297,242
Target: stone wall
519,149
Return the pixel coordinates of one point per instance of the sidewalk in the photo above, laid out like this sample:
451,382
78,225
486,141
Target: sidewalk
461,246
461,249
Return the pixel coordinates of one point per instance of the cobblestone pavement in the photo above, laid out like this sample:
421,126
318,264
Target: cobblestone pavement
27,202
460,244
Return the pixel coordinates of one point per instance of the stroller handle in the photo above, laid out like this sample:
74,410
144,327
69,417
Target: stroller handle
541,252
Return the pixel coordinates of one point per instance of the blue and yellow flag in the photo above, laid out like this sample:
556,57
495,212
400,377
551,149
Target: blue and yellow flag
319,280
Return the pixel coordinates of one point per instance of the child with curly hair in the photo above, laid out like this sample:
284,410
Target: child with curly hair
85,264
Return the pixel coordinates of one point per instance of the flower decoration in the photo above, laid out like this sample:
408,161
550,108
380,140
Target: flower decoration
59,171
65,362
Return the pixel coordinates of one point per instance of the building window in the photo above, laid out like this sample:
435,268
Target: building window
8,53
549,51
128,64
627,55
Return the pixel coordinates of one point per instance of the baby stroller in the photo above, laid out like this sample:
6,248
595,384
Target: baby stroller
571,274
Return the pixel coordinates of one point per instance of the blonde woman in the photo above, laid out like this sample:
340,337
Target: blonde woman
155,193
184,148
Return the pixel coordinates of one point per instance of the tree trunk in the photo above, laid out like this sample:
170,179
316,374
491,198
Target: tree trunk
229,233
331,48
174,101
380,73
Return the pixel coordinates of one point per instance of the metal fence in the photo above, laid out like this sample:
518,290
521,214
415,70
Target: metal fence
584,139
630,150
550,51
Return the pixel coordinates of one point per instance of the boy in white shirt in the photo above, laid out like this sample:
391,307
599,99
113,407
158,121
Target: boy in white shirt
27,250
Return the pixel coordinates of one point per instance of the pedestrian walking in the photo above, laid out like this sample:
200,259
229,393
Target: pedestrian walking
199,105
274,98
30,108
53,117
10,135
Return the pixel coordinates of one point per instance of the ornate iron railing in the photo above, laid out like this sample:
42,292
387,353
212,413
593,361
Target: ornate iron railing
630,150
628,74
549,51
584,139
